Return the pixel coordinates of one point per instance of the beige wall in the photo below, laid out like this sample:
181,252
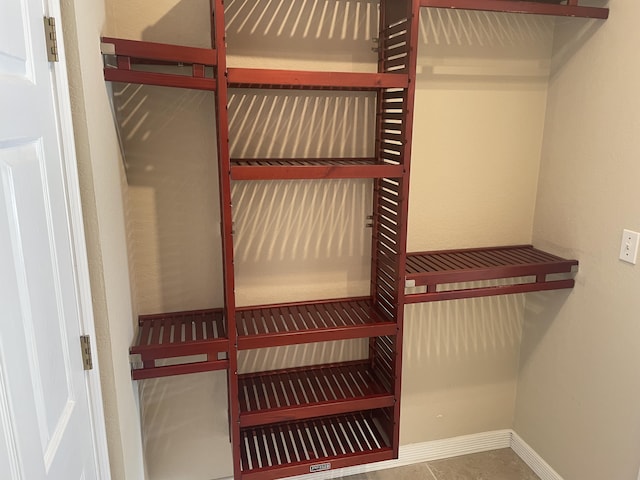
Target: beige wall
102,186
579,388
480,107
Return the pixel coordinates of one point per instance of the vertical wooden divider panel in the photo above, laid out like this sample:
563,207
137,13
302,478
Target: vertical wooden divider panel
218,41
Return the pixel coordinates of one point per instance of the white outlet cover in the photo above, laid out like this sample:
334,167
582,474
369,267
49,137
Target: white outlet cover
629,246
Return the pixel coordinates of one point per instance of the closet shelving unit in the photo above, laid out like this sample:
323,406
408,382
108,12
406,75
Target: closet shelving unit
306,419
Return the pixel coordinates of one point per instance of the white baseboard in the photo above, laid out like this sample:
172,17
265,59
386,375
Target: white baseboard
446,448
425,452
531,458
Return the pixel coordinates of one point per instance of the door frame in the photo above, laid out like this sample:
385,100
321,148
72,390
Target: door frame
78,241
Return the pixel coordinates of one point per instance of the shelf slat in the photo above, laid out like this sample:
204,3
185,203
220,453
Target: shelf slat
287,449
306,80
159,79
162,52
570,9
317,168
169,336
432,269
130,52
297,393
307,322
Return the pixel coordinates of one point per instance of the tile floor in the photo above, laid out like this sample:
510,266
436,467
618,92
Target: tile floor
501,464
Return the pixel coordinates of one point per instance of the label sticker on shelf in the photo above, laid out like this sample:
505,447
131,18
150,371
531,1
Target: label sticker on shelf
320,467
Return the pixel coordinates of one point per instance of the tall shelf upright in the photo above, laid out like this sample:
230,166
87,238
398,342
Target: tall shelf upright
313,418
305,419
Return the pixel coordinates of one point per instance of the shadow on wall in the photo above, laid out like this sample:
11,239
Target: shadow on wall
294,124
186,23
460,364
570,35
293,29
461,360
308,237
482,47
185,427
169,141
459,331
459,45
302,355
541,312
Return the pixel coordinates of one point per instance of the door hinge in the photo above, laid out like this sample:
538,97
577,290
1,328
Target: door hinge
87,357
51,38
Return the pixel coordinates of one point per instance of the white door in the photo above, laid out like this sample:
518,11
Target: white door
44,411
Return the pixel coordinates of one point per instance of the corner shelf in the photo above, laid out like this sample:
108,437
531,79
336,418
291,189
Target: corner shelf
294,448
434,269
306,392
306,322
170,336
570,8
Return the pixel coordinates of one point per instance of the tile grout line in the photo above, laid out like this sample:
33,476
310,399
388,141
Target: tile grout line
431,471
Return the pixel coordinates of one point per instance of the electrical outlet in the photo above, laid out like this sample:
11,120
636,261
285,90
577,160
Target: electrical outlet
629,246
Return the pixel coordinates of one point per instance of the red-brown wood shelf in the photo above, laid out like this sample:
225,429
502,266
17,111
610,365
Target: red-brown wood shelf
307,80
307,322
305,392
134,52
569,8
311,168
169,336
287,449
433,269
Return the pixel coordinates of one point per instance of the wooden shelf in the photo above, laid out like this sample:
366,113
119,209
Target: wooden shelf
316,168
133,52
433,269
287,449
307,322
569,8
170,336
305,392
306,80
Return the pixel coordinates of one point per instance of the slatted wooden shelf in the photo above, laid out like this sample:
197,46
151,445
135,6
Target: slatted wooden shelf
311,168
433,269
307,80
569,8
131,52
286,449
306,322
305,392
168,336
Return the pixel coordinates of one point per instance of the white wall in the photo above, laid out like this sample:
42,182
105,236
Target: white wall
480,105
579,388
102,186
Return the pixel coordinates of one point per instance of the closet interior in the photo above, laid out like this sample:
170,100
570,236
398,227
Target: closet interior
318,417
